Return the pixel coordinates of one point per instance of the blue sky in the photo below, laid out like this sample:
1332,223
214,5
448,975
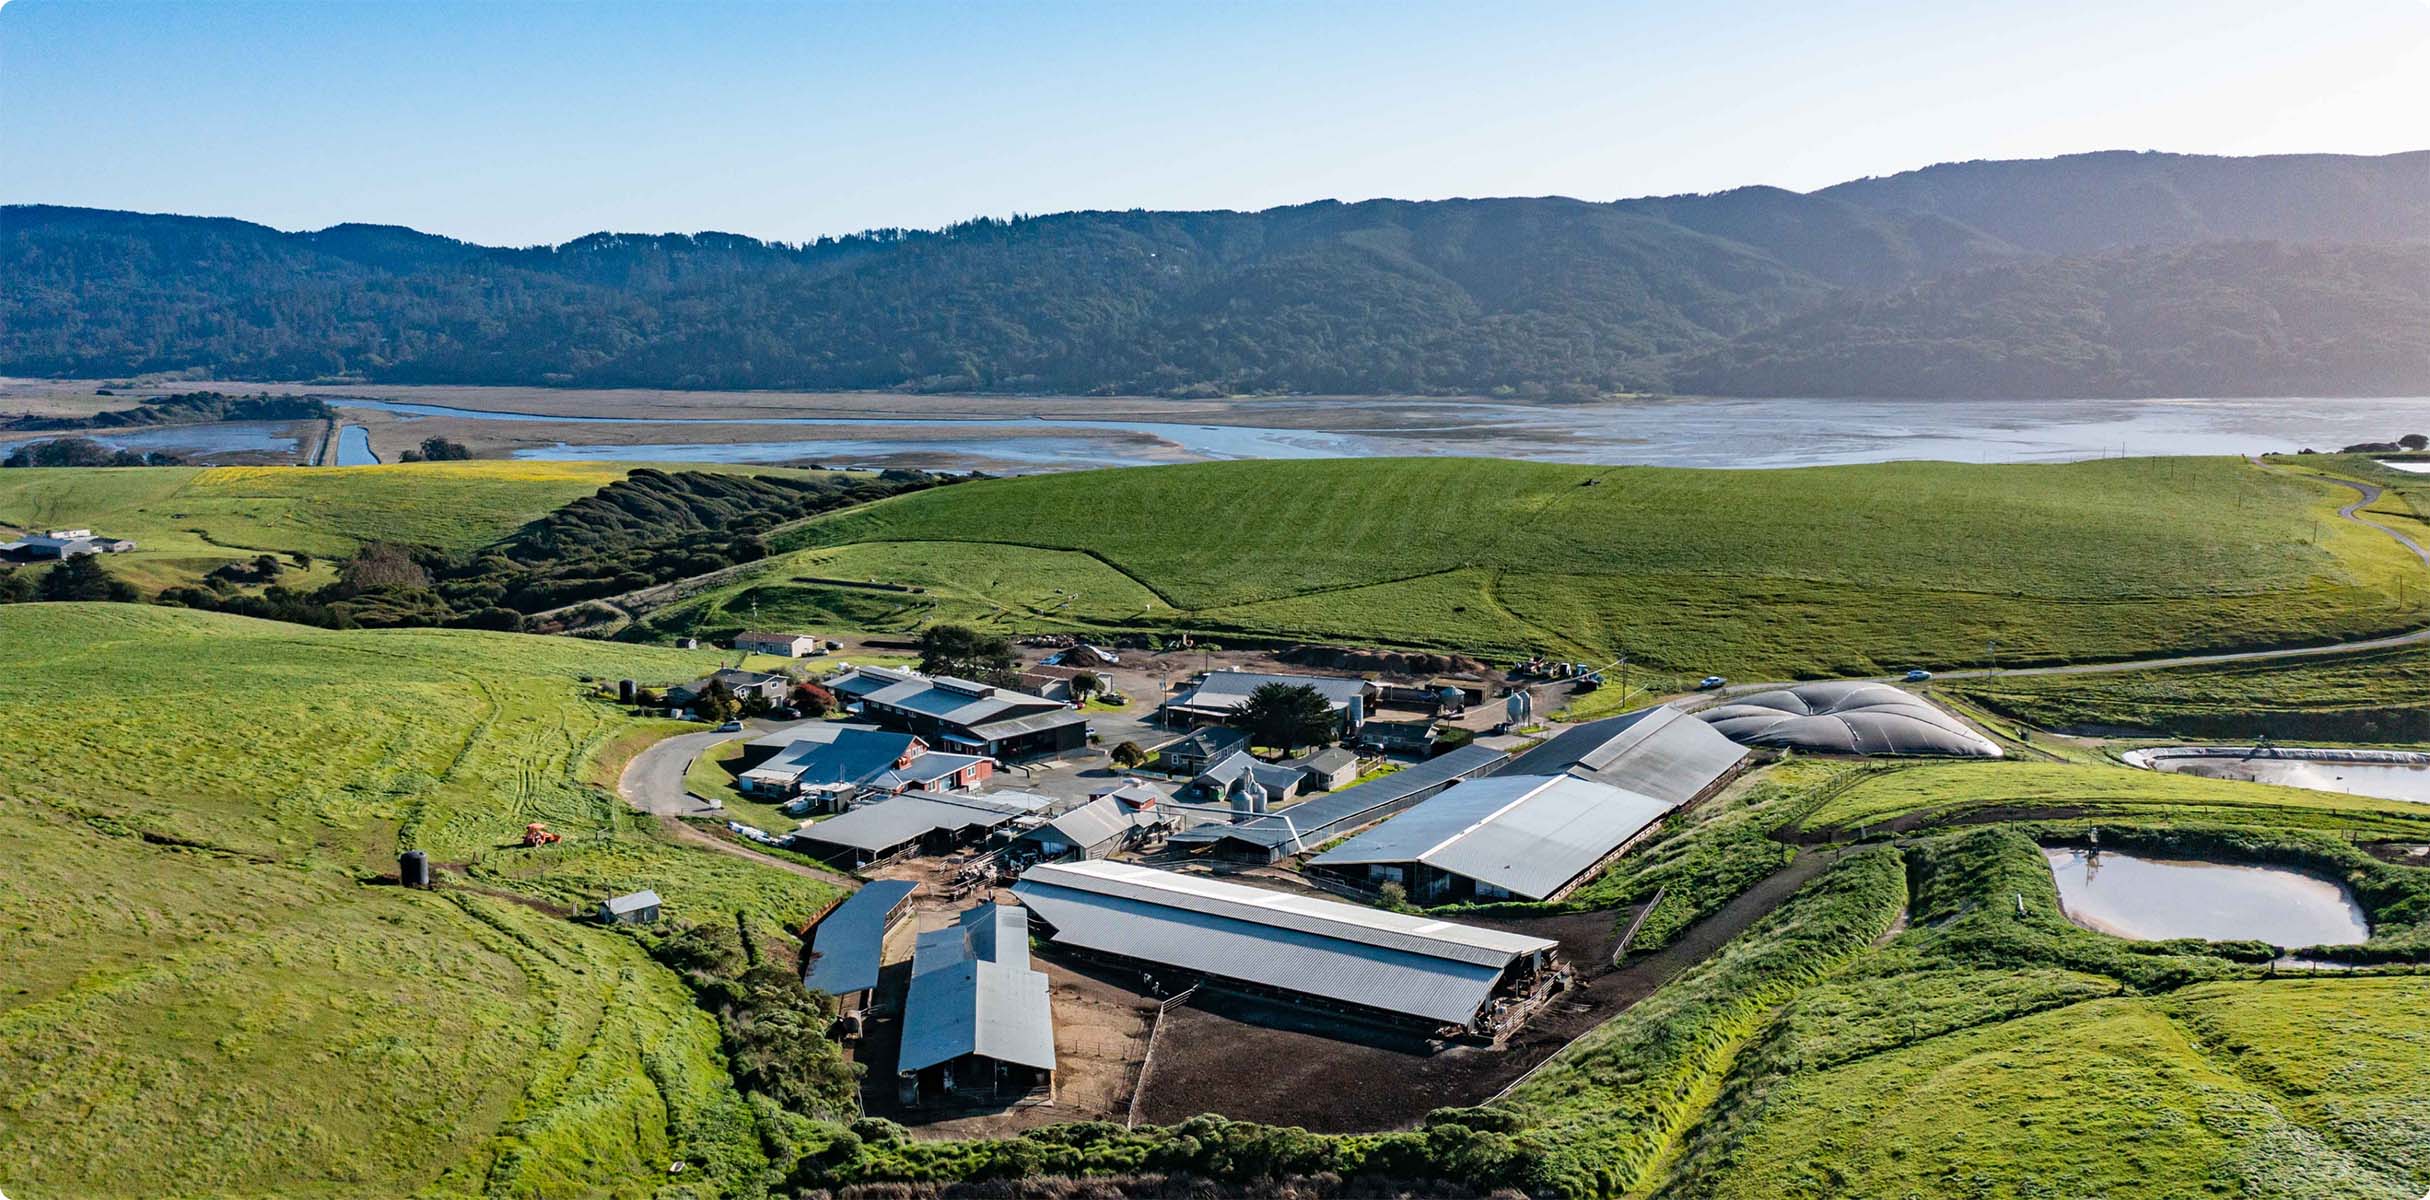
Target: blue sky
512,121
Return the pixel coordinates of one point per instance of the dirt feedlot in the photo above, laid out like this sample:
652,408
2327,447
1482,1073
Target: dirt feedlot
1258,1060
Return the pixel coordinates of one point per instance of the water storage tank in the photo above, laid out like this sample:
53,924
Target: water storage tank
626,690
413,869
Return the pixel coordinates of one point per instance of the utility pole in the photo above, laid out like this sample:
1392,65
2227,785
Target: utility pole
1991,649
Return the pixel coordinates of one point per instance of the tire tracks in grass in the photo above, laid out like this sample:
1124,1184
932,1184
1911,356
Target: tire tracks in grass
1698,1105
2282,1102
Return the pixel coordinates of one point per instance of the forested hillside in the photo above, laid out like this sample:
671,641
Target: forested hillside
2105,274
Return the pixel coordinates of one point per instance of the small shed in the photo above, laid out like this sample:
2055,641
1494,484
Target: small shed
639,908
789,645
1092,831
1401,737
1195,753
1327,769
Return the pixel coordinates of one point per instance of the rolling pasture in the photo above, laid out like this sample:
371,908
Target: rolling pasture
1834,570
187,520
203,957
2379,696
1982,1044
1938,793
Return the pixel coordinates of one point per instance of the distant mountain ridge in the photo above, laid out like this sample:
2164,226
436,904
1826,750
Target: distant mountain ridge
2110,274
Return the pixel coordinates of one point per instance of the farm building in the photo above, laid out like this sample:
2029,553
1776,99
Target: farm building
854,684
790,645
745,685
978,718
849,944
1414,738
844,763
638,908
1093,830
978,1024
1281,780
1848,718
1659,752
64,544
1441,697
1219,694
1054,683
1398,968
767,746
1534,837
914,822
1195,753
1327,770
1133,793
1311,823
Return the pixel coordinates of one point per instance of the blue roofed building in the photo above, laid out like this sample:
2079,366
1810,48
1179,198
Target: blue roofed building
978,1024
848,947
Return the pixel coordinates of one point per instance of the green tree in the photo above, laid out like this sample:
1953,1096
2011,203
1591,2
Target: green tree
1286,716
716,703
84,578
961,651
437,449
1087,684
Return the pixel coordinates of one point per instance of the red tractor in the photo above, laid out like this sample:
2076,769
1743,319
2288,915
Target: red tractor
537,834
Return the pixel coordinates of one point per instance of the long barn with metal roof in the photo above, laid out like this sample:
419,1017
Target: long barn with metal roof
1398,967
849,945
1305,826
978,1020
1659,751
1530,836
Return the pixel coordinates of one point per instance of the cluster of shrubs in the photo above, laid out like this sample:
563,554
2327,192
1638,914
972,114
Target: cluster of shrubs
83,452
647,529
1458,1152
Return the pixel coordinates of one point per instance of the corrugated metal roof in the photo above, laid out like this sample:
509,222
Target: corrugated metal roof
1280,778
1222,690
808,731
926,769
850,941
1659,752
1420,935
851,756
1096,821
1320,819
634,902
995,731
860,682
1527,834
1431,969
892,822
973,992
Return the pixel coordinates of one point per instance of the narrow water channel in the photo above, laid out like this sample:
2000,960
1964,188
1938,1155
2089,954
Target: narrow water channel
354,448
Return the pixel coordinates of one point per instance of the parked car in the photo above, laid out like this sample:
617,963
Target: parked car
1918,675
1709,682
730,727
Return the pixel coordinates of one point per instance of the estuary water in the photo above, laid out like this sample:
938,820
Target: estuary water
1695,432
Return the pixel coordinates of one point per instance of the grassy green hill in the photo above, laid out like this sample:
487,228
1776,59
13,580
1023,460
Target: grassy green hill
209,990
1826,570
187,520
2378,697
1984,1045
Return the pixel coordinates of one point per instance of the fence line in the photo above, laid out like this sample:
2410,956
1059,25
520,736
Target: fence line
1621,951
1130,1117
